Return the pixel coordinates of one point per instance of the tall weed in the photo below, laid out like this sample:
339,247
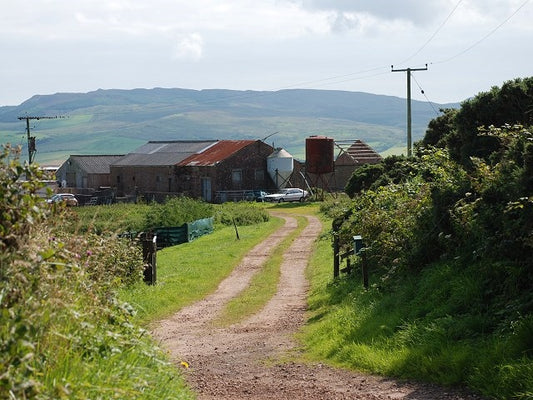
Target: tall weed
63,333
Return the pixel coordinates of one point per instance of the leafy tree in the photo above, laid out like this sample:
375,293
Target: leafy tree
440,128
363,178
393,169
458,129
57,302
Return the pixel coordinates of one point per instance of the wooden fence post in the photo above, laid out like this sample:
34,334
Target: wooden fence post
364,268
148,240
335,255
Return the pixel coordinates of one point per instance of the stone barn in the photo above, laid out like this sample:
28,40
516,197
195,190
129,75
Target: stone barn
197,169
86,171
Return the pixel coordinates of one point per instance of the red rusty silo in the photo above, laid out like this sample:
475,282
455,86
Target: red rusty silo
319,155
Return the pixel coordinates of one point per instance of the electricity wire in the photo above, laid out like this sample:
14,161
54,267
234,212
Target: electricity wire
434,34
333,80
484,37
424,94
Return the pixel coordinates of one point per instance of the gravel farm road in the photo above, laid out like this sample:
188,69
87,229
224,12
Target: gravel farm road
248,360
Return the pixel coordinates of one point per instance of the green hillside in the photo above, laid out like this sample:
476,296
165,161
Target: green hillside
118,121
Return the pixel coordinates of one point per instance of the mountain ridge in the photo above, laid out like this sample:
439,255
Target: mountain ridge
123,119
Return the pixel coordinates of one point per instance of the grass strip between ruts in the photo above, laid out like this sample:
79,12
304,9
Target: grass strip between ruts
188,272
263,285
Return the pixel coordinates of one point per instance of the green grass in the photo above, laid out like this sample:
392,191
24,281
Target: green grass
432,327
263,285
139,373
188,272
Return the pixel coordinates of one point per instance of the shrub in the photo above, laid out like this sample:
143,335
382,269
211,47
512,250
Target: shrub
241,213
63,334
176,211
19,207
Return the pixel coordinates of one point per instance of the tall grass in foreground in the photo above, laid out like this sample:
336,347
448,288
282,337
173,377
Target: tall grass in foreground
63,333
263,284
188,272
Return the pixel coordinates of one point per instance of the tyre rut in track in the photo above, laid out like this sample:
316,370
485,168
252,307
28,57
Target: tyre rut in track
243,361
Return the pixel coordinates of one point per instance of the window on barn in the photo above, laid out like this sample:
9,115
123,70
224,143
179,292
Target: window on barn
236,176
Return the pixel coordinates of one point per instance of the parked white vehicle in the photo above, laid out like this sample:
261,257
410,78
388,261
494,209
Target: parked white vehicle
67,198
288,194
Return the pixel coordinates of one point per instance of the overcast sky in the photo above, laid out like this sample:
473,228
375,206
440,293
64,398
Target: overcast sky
50,46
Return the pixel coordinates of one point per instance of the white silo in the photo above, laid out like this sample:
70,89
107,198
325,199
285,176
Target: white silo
280,166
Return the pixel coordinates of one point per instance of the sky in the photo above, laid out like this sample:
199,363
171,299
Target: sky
469,46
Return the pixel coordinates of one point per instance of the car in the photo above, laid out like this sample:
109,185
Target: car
255,195
288,194
67,198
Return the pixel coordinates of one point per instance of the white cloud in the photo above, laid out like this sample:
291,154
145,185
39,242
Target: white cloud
248,44
189,47
419,12
342,22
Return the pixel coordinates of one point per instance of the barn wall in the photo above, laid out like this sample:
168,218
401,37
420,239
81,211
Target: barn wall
95,181
249,163
130,180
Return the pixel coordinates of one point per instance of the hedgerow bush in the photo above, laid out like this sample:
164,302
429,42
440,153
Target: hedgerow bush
176,211
450,250
113,218
63,333
241,213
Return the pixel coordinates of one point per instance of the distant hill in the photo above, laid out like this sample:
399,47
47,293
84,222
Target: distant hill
118,121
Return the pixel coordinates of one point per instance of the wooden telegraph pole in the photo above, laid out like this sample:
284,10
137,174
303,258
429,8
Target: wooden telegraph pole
32,149
409,70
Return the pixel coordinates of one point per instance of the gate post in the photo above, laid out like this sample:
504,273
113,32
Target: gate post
148,240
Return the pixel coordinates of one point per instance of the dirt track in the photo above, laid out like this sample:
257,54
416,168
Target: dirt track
245,361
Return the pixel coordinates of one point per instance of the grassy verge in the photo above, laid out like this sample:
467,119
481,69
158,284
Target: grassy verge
140,372
263,285
186,273
415,331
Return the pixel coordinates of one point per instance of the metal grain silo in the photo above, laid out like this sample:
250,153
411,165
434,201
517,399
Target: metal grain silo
279,166
319,155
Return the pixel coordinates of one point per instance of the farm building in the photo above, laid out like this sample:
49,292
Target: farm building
213,170
325,171
198,169
86,171
353,154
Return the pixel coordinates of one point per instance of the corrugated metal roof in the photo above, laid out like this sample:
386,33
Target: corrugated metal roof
216,153
161,153
95,164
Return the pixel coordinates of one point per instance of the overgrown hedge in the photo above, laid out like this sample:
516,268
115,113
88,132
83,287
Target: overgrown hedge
63,334
242,213
430,216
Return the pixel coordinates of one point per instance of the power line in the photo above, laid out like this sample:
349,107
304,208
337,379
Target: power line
32,149
333,80
484,37
434,34
424,94
409,70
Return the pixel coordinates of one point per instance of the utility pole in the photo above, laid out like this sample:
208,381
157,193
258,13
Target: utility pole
31,139
408,70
